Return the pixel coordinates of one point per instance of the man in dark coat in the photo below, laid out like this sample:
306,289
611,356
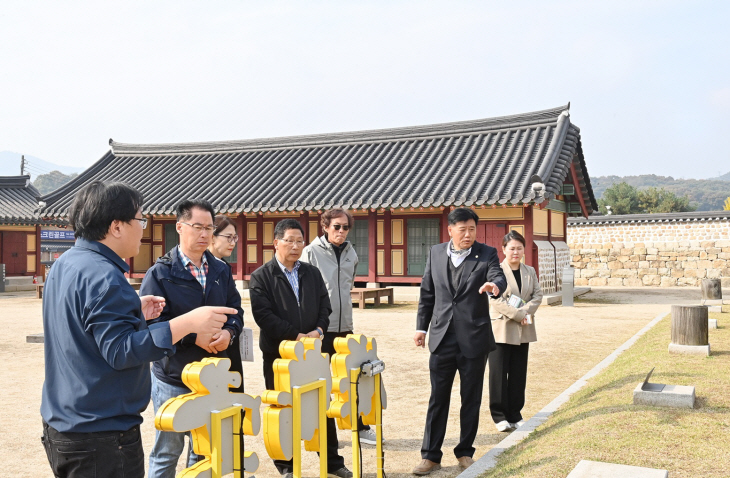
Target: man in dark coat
289,300
453,305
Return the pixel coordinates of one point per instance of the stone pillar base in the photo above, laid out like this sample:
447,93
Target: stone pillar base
690,349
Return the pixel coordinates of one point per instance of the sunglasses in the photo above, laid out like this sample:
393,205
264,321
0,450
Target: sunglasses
344,227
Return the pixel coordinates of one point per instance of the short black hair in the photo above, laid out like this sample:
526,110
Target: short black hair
513,236
462,214
184,209
284,225
98,204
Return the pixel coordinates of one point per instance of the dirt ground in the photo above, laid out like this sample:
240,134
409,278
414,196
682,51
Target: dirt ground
570,342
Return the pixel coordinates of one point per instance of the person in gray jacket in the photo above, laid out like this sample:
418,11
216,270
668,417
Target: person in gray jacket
336,259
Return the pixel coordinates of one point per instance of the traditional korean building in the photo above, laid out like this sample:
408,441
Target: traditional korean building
19,226
524,172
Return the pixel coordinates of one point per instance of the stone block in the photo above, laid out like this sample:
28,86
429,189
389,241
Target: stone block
615,281
35,338
651,279
711,323
674,396
625,273
579,281
698,273
688,281
598,281
633,282
714,309
597,469
668,282
690,349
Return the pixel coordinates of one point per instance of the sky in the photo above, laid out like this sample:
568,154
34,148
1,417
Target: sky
648,81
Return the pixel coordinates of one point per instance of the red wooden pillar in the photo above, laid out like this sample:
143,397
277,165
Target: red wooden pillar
372,245
241,247
445,225
259,239
387,238
530,258
40,270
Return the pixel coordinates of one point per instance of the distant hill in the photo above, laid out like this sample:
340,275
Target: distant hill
10,165
706,194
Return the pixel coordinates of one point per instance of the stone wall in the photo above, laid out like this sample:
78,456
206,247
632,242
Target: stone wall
642,253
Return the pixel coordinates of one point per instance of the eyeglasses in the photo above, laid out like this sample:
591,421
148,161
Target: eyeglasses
232,238
291,243
142,220
344,227
199,228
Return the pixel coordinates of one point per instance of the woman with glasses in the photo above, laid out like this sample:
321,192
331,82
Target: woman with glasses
221,246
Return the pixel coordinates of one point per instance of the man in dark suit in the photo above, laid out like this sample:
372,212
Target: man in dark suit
289,301
455,307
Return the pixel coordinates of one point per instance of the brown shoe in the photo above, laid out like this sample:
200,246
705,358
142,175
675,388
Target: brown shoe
426,467
465,461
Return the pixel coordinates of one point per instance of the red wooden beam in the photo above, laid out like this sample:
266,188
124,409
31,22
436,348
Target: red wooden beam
578,192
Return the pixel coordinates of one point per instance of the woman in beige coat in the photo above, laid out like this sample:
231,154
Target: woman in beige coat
513,324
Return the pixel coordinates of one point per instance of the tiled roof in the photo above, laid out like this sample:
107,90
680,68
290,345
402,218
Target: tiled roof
657,217
18,201
465,163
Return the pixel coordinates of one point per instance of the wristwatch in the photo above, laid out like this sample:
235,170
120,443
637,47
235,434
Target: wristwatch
321,333
233,337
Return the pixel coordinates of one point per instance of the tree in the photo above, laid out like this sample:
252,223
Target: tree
45,183
653,200
623,199
626,199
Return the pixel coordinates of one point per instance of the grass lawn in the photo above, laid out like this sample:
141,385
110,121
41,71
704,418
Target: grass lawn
600,423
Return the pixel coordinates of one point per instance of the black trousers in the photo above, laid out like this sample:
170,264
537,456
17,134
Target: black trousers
234,353
443,365
98,454
328,347
507,379
334,460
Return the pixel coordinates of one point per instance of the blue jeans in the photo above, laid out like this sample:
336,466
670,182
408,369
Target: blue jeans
168,445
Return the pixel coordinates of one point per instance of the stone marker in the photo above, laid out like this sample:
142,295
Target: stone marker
690,330
597,469
714,308
660,395
34,338
711,323
568,281
711,290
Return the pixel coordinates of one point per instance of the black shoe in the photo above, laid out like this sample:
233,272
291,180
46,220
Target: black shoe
341,473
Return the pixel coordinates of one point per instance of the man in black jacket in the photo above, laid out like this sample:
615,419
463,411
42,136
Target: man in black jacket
289,300
188,277
453,305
